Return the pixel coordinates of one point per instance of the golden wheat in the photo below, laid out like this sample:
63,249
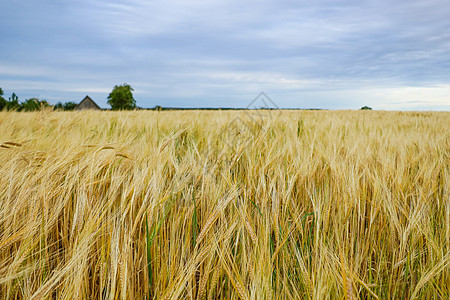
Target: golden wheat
182,204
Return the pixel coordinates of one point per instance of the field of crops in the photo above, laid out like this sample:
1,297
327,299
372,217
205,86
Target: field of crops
224,204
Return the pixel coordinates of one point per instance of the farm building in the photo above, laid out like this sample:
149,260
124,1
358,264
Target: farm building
87,103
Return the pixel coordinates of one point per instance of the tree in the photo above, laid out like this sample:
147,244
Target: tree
121,98
366,108
2,100
13,103
34,104
58,106
65,106
69,105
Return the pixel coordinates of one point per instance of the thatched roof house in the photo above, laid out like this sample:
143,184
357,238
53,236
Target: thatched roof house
87,103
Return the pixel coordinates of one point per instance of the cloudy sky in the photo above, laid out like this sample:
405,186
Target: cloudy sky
392,55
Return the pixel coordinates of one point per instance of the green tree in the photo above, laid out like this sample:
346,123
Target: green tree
34,104
69,105
64,106
13,103
2,100
366,108
58,106
121,98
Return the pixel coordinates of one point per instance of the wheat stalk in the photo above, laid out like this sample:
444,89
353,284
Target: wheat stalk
344,204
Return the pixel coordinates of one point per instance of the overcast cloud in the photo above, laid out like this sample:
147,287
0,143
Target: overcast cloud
321,54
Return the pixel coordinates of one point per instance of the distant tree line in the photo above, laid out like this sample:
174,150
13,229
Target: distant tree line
65,106
120,98
13,103
31,104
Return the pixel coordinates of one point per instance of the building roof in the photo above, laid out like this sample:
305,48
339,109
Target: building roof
87,103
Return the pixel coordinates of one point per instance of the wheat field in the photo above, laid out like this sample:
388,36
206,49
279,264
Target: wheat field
224,205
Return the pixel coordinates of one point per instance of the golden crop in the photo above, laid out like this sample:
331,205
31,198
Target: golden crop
221,204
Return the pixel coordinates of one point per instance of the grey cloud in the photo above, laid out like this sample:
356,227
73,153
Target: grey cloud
218,53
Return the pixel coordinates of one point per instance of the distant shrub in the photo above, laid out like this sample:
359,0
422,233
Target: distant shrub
13,103
34,104
366,108
64,106
69,105
58,106
3,101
